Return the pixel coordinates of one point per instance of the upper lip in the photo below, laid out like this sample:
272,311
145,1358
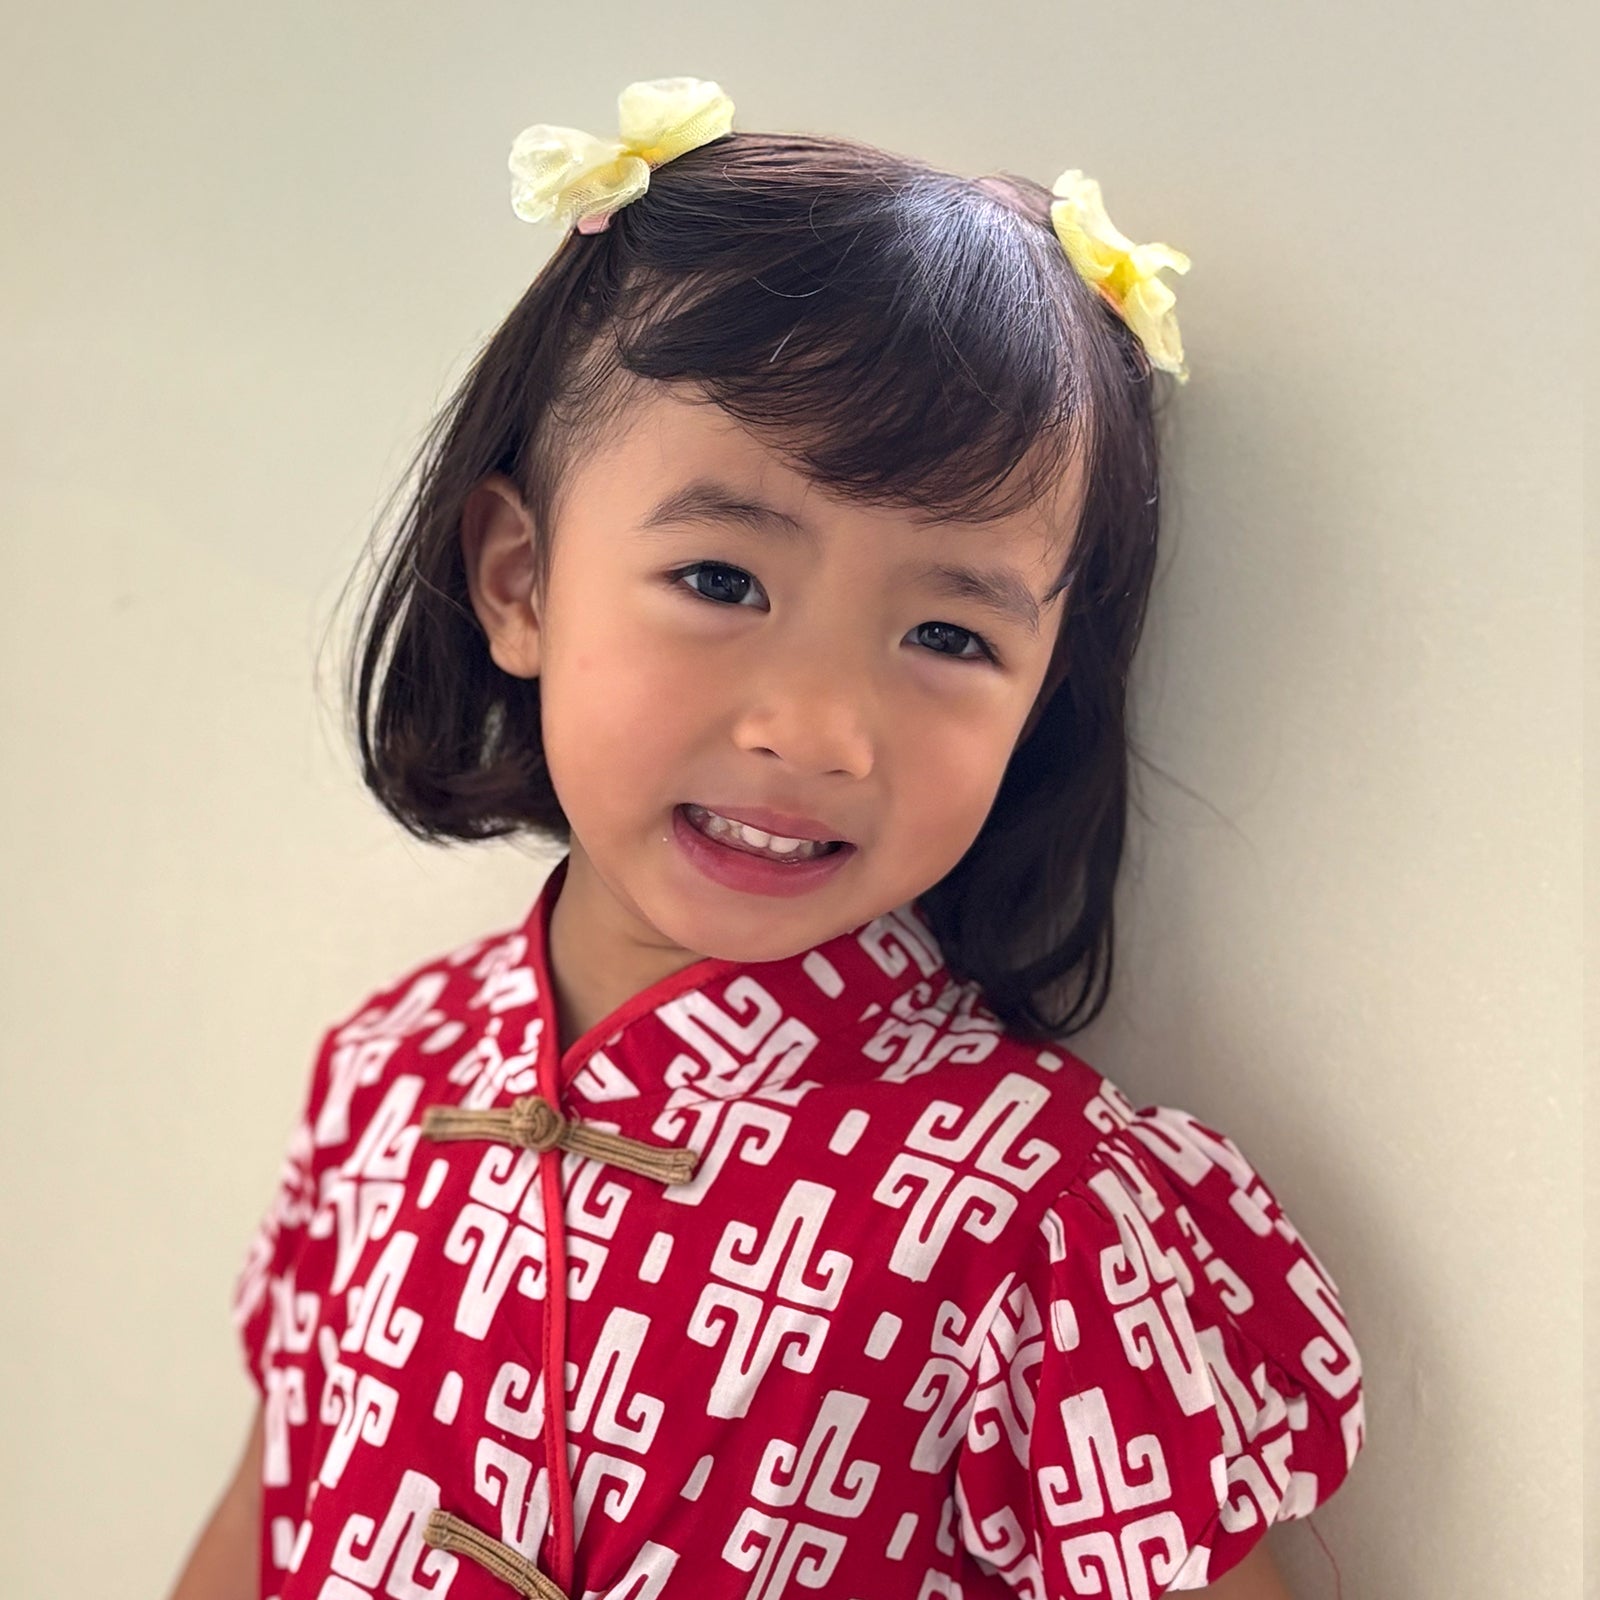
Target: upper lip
784,823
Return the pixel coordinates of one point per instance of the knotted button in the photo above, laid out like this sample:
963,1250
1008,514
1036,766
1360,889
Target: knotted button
535,1123
532,1123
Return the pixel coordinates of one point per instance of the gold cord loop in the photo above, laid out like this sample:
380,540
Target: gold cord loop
534,1124
445,1531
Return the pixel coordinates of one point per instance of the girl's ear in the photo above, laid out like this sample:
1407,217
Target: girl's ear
497,552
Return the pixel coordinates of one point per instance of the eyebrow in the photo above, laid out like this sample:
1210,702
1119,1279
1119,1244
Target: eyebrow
1001,590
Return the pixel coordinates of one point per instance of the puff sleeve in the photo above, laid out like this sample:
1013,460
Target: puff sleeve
264,1290
1169,1374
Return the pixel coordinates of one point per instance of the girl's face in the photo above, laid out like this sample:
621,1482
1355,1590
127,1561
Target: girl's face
808,659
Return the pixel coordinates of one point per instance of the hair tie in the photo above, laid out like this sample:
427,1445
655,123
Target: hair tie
580,181
1123,272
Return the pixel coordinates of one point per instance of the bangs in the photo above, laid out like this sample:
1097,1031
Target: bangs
909,343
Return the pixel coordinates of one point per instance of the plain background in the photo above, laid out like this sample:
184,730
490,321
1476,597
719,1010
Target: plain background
249,249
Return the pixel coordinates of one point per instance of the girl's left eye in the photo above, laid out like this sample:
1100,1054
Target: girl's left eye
946,629
742,584
721,572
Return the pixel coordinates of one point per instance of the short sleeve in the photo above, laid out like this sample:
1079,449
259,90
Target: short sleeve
1169,1375
279,1238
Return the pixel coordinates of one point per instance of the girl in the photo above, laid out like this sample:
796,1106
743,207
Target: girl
737,1224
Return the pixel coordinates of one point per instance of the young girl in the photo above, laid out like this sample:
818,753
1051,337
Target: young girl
736,1224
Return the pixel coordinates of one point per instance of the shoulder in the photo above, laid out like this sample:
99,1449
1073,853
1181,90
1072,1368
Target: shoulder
436,1021
1006,1099
413,1028
1110,1159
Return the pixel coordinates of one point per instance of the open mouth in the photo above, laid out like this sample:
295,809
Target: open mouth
753,841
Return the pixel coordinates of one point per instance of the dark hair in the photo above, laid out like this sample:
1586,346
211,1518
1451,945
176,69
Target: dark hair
913,338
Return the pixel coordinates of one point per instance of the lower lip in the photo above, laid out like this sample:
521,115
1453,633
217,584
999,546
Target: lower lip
738,869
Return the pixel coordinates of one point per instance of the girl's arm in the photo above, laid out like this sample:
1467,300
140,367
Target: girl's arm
223,1563
1255,1578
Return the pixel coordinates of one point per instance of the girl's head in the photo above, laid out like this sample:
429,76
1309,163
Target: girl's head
820,481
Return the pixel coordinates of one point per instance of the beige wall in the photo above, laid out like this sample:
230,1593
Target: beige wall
248,247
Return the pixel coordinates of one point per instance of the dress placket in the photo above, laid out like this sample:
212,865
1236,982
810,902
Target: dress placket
536,1122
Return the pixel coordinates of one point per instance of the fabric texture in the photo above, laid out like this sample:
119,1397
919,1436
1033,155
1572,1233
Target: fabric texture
940,1313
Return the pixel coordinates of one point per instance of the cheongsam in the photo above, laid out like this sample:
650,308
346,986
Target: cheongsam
787,1278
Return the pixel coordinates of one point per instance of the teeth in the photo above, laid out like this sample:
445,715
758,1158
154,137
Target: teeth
773,844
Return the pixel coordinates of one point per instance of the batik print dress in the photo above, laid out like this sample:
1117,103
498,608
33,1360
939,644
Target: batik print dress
788,1278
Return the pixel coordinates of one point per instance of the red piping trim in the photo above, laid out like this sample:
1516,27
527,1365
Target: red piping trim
554,1075
555,1359
554,1343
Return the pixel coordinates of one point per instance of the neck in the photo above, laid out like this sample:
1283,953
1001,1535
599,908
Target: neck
600,954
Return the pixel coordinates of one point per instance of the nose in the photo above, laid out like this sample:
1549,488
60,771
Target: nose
811,707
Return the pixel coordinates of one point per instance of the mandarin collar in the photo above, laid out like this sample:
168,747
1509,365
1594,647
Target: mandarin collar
889,962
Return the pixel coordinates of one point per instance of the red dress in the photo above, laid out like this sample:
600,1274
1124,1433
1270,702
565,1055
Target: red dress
922,1310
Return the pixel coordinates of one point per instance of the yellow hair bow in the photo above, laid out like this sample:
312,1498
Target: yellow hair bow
575,178
1122,271
579,180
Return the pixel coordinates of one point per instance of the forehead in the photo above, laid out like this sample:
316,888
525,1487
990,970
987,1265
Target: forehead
673,439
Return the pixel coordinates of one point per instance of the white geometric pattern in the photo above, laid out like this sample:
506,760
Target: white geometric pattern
925,1279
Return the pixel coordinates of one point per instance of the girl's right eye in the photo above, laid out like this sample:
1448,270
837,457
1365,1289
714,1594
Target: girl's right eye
723,584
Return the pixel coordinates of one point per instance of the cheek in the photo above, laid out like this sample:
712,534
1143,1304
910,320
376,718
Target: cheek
949,771
617,705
